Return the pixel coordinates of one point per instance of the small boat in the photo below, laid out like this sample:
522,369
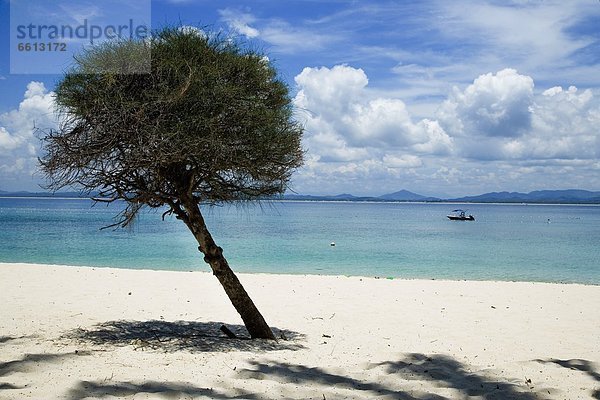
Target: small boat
460,215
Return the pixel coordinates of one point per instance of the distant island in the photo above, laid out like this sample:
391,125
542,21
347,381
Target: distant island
402,195
74,195
570,196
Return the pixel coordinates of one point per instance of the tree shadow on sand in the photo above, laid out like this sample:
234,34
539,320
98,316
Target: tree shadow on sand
97,390
436,371
29,363
175,336
6,339
577,364
449,372
440,370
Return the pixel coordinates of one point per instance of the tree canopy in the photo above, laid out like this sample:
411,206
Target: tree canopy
212,120
210,123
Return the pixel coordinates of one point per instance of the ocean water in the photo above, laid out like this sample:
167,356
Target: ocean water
551,243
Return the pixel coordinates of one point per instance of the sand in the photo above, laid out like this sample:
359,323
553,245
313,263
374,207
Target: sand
78,333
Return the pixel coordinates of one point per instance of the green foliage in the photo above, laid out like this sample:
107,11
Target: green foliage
211,121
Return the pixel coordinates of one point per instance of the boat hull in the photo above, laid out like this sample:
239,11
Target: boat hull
458,218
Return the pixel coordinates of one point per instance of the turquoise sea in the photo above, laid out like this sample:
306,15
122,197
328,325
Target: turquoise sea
552,243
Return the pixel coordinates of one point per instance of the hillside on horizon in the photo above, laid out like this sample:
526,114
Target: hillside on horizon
566,196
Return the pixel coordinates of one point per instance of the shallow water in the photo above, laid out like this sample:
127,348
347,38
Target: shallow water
553,243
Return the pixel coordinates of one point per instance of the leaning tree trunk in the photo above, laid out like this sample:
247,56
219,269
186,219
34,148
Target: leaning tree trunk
213,255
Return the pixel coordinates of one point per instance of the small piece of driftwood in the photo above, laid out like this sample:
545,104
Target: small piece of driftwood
228,332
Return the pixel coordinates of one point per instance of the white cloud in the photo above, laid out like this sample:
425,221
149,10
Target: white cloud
7,141
402,161
35,89
35,110
384,121
499,117
285,37
239,22
79,13
339,105
494,133
290,39
566,125
434,139
367,141
430,46
354,135
496,105
330,91
18,144
533,35
192,30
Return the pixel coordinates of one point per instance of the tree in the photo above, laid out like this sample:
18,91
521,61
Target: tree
211,123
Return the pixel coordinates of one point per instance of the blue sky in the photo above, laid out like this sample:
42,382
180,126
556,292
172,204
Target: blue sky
438,97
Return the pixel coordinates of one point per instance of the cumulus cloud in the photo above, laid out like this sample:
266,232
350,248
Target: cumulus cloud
499,117
496,130
339,106
18,145
353,134
436,140
7,141
495,105
566,125
499,132
329,91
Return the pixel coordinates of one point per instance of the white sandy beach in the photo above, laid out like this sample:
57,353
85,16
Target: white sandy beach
77,333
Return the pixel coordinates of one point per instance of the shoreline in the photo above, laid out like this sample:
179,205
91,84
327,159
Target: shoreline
445,202
394,278
80,332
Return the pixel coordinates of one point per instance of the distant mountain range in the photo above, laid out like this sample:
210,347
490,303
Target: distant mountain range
402,195
538,196
405,195
572,196
40,194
